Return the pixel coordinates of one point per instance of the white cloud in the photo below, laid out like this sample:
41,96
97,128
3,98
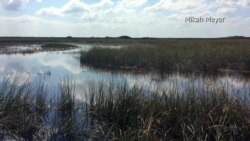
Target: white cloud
131,3
245,3
241,3
227,2
169,26
13,5
52,11
106,10
39,1
178,4
131,17
74,7
226,10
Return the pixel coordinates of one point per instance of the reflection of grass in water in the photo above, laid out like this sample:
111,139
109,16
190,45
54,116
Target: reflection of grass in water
171,55
118,111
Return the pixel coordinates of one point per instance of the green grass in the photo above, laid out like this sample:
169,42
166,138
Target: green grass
135,114
23,110
206,56
67,122
117,111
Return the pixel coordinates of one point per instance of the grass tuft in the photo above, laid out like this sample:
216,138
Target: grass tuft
57,46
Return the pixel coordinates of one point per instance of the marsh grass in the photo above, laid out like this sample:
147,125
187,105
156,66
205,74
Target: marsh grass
119,111
206,56
135,114
22,113
57,46
65,120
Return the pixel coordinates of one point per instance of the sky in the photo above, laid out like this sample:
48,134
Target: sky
135,18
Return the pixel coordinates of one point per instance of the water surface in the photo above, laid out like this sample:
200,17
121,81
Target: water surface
51,67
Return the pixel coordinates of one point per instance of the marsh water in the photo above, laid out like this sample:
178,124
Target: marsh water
53,66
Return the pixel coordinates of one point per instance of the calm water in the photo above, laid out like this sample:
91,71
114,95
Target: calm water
51,67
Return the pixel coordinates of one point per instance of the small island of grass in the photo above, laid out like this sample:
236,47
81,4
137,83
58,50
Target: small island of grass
57,46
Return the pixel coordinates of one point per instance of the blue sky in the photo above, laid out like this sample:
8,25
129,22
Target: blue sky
137,18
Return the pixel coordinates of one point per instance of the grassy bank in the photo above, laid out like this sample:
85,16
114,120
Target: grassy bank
117,111
175,55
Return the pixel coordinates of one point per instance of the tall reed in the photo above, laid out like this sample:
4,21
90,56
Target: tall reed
127,113
206,56
119,111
